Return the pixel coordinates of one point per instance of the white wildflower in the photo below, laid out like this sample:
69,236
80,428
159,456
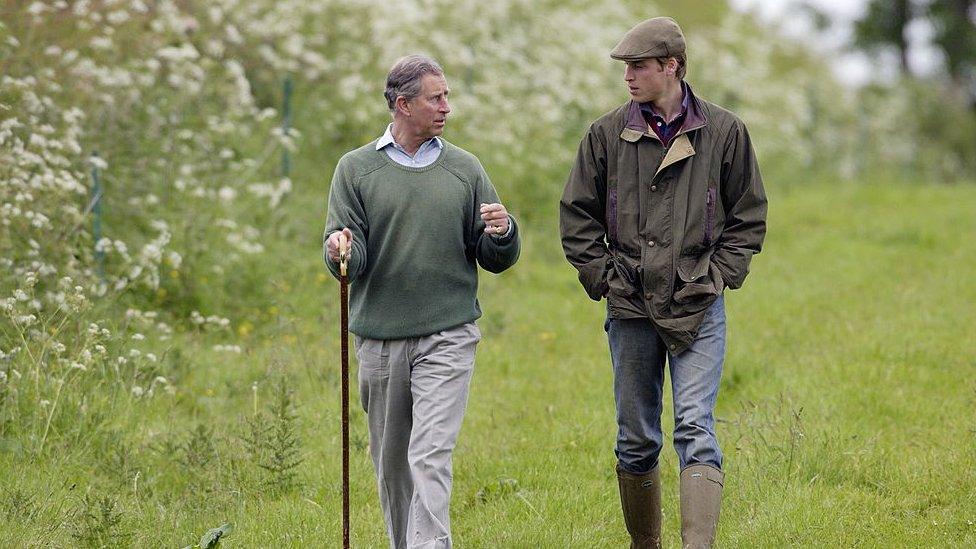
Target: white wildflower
233,35
186,52
118,17
25,320
227,348
101,43
103,244
137,391
36,8
98,162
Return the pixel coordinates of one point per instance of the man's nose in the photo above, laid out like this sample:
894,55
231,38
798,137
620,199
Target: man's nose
445,107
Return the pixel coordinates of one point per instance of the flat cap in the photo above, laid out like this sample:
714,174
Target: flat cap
657,37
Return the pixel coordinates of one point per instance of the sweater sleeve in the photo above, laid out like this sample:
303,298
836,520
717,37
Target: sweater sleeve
346,211
494,253
745,205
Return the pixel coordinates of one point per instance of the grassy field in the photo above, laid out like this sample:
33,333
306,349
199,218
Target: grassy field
847,410
168,332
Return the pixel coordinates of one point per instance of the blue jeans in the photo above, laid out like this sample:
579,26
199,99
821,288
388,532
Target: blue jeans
638,356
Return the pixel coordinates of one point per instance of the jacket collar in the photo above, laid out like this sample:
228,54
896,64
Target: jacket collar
635,126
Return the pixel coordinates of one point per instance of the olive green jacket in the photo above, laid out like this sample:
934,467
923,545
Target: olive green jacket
661,232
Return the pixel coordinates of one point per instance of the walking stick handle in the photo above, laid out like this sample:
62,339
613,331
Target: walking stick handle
343,254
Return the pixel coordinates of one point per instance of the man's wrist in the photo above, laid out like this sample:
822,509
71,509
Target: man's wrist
508,233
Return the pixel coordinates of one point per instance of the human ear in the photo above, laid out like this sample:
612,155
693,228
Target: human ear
403,105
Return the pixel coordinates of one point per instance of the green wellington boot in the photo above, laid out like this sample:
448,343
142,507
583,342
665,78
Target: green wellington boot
701,499
640,498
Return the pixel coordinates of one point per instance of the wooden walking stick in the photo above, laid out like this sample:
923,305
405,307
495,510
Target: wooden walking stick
344,322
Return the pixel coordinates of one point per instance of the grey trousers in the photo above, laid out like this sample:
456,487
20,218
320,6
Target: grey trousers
414,392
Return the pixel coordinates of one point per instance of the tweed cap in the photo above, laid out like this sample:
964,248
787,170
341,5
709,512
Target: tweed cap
657,37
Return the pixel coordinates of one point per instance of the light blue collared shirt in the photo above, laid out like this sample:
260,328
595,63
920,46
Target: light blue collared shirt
425,156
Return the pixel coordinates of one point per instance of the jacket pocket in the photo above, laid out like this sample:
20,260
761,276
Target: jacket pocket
696,280
625,274
711,195
624,288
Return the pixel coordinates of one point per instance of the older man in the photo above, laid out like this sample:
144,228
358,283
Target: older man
421,214
662,211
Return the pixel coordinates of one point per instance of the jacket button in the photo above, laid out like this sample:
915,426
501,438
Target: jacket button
673,346
648,295
650,243
653,187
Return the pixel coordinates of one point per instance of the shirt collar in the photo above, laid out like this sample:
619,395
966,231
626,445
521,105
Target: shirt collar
649,110
387,139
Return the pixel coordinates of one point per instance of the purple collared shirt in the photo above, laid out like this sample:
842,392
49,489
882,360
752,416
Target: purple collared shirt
666,130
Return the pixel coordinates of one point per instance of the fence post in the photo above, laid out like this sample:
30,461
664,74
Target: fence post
286,126
815,115
97,216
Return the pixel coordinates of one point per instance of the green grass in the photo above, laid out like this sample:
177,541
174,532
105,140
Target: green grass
847,411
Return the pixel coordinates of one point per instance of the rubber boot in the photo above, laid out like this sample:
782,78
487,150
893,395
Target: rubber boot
701,499
640,498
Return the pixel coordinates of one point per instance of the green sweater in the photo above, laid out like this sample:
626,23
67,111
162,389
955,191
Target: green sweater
417,233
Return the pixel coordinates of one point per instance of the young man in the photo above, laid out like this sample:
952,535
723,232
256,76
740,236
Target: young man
662,211
421,214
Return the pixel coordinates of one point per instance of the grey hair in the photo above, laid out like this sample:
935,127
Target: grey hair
405,76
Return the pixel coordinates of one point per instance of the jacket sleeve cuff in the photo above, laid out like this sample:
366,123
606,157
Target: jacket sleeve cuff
593,277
